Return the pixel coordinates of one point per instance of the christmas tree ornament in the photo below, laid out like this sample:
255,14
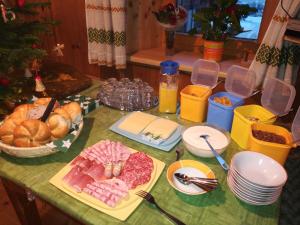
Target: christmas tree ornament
7,14
20,3
58,49
35,65
28,74
40,89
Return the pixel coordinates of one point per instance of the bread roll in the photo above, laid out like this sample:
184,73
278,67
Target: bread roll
65,115
7,130
24,107
58,126
31,133
21,112
74,110
46,101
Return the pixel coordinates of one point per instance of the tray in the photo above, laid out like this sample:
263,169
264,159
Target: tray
165,146
123,210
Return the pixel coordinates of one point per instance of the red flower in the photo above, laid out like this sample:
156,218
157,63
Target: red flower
173,20
20,3
4,82
231,9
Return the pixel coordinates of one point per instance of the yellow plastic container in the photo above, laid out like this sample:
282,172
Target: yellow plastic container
244,117
194,100
278,152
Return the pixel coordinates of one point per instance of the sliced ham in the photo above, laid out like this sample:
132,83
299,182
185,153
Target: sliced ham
106,152
75,171
96,171
109,191
82,181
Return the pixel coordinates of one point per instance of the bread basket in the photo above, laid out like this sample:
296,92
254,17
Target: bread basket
34,151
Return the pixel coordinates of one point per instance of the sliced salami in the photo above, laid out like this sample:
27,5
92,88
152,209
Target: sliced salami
137,170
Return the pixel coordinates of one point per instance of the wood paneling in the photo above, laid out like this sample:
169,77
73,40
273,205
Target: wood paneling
270,7
142,29
151,75
73,34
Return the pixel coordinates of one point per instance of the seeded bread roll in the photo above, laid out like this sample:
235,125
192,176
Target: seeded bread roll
74,110
31,133
58,125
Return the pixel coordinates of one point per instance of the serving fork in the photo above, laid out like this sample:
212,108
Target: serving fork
148,197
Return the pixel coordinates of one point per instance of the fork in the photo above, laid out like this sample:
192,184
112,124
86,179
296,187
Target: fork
148,197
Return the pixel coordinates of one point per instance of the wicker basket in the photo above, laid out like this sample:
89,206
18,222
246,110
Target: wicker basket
34,151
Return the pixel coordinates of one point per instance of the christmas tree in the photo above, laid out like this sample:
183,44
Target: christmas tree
21,28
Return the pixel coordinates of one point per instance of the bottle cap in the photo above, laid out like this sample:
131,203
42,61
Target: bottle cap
169,67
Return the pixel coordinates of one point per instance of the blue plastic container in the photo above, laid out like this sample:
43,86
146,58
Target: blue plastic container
221,115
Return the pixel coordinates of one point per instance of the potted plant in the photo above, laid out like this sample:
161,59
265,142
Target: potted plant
218,22
170,18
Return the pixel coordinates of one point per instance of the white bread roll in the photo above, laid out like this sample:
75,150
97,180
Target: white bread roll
65,115
45,102
74,110
31,133
58,126
21,112
24,107
7,130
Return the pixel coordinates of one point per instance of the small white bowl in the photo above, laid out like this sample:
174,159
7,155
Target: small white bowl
259,169
197,145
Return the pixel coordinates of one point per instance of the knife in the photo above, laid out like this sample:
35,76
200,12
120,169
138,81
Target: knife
186,178
206,184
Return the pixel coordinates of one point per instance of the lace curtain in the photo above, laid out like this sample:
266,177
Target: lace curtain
105,20
276,57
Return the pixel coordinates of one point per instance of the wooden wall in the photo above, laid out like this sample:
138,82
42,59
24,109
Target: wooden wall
143,32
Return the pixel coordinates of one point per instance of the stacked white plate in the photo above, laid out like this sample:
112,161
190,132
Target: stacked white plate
255,178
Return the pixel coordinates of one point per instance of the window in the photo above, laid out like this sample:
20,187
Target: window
251,24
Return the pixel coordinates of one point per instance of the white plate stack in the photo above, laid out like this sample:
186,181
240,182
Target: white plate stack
255,178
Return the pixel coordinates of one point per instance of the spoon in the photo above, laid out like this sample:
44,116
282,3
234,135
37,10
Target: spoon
206,187
216,154
179,153
202,179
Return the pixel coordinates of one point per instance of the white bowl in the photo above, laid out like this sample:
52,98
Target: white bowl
259,169
197,145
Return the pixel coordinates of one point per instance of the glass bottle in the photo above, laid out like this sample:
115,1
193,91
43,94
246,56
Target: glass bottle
168,86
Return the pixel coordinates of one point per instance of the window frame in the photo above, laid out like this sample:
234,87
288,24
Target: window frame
193,43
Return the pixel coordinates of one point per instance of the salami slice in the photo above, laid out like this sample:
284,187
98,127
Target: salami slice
137,170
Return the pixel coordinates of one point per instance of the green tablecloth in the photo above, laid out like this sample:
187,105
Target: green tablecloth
219,207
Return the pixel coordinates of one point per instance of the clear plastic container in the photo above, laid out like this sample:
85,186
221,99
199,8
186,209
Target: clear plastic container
296,128
168,86
194,98
239,84
278,96
240,81
205,73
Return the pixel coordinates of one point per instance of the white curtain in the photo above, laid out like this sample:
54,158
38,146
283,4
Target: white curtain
276,57
105,20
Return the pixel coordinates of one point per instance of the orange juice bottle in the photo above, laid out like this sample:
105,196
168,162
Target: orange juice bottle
168,86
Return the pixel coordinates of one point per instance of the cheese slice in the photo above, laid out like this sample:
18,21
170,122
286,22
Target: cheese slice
161,128
136,122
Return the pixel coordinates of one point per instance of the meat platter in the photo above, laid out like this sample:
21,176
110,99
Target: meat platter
107,175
